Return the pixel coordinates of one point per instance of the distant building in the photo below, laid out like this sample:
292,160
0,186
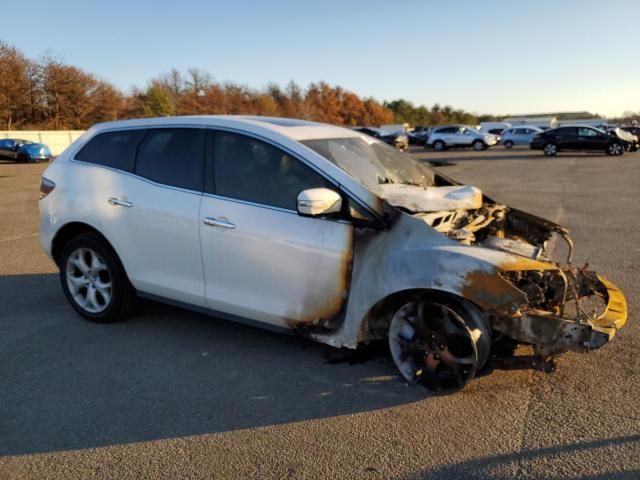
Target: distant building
553,120
542,121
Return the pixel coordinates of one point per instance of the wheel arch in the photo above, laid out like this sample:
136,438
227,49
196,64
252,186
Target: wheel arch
71,230
376,322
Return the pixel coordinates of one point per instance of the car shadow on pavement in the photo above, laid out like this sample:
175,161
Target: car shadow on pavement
164,373
500,467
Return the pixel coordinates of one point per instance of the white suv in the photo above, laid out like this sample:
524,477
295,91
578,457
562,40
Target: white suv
312,229
449,136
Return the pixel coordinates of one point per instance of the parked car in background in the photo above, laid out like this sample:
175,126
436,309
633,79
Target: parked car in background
631,140
493,127
518,136
400,140
413,139
450,136
495,131
364,243
422,135
634,130
24,150
581,138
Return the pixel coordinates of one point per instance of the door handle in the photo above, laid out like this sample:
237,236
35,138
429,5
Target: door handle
214,222
120,203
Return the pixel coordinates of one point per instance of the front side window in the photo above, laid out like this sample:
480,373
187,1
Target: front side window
587,132
112,149
249,169
173,156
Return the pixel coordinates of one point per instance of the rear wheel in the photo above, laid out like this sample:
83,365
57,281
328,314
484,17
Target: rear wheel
438,145
478,145
615,148
439,346
508,144
550,149
94,280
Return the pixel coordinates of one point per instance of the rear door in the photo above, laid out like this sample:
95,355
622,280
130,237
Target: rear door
449,135
566,138
149,211
261,259
520,136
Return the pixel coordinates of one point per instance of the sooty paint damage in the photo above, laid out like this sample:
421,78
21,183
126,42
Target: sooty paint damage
532,301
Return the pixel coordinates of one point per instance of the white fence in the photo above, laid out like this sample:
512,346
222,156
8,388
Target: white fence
57,140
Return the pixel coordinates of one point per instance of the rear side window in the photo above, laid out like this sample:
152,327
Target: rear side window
566,131
112,149
173,156
252,170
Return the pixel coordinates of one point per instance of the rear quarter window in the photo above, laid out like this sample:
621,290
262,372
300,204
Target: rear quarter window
112,149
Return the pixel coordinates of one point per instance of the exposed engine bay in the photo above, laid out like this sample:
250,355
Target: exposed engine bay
561,307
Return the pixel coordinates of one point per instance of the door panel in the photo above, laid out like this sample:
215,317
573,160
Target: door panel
157,238
273,265
153,225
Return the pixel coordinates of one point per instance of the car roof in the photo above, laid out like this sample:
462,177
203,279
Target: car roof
294,129
455,125
574,125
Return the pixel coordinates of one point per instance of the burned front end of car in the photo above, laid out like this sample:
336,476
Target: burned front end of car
561,309
528,298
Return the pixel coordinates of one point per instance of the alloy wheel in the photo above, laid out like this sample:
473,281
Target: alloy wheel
89,280
432,346
550,149
615,149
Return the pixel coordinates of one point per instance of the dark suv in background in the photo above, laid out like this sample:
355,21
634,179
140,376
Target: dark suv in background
581,138
399,140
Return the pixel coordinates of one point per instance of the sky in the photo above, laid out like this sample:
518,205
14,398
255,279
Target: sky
500,57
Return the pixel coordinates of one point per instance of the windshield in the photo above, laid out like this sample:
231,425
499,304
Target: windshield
372,163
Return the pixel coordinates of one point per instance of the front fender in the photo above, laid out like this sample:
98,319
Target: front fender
412,255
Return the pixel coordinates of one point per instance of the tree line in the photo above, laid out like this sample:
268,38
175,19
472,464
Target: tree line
48,94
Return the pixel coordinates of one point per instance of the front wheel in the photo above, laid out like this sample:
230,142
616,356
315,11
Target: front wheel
550,149
479,145
508,144
22,158
94,280
439,346
615,148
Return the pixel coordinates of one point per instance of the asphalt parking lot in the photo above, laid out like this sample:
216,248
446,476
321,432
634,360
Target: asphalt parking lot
175,394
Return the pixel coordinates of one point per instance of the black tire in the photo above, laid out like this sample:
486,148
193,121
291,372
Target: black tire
508,144
439,146
426,352
22,158
550,149
615,148
479,145
122,293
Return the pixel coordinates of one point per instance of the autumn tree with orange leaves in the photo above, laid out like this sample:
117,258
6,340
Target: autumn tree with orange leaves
50,94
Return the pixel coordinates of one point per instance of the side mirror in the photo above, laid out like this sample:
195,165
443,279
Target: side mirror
318,201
